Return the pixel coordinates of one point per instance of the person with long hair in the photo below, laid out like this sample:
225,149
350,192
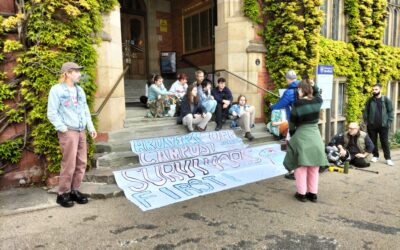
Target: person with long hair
192,113
158,98
246,115
305,151
69,113
207,100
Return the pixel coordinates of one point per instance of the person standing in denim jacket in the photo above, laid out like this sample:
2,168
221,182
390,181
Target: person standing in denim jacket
69,113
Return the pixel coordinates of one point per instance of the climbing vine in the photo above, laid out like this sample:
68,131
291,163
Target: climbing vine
291,35
49,32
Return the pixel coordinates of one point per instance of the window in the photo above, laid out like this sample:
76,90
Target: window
341,93
335,19
386,36
398,96
324,28
395,28
197,31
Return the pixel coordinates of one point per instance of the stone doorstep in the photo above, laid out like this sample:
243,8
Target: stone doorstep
96,190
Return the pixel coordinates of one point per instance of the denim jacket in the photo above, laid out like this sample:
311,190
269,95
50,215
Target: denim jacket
63,114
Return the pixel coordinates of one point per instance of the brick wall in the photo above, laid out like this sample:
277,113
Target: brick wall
7,7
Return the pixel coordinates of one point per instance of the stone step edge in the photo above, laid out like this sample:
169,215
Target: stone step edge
96,190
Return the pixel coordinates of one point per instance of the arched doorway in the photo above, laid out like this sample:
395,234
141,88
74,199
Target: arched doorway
133,32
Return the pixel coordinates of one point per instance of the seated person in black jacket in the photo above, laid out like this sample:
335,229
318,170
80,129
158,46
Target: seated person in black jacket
192,112
223,96
354,145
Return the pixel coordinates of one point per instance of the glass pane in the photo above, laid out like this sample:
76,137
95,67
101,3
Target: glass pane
195,32
324,26
205,29
335,20
398,96
188,33
341,98
340,127
395,28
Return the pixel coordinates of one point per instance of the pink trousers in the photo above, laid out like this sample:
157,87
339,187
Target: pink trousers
74,158
307,179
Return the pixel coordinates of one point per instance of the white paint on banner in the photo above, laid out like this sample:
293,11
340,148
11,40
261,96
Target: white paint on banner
162,184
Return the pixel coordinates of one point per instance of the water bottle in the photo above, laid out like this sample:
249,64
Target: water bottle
346,167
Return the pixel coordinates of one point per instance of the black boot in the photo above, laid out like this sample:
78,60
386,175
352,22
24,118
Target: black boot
64,200
249,136
78,197
311,197
300,197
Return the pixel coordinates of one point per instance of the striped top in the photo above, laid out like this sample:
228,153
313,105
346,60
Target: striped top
305,111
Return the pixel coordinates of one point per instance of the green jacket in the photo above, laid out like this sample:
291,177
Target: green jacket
305,148
371,108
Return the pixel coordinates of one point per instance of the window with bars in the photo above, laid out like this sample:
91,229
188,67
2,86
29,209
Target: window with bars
197,31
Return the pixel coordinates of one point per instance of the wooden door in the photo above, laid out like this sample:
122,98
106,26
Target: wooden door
133,33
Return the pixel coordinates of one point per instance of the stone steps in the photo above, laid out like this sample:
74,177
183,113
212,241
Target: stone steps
96,190
105,174
116,154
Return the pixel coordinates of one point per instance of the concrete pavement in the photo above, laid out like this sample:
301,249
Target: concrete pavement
359,210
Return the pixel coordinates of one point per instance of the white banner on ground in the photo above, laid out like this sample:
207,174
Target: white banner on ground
174,148
163,184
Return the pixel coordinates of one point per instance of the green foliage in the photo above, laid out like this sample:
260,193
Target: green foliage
291,36
251,9
55,31
11,150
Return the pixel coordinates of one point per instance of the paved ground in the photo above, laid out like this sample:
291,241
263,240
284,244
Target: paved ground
360,210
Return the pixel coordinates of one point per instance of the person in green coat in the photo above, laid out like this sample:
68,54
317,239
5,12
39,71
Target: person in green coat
305,152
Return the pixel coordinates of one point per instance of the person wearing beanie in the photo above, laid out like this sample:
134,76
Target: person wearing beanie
286,102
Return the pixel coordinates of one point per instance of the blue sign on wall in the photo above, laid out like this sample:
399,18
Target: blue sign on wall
325,70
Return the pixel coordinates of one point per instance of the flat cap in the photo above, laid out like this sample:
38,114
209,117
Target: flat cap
69,65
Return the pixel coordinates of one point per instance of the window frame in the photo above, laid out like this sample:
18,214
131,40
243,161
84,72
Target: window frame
190,15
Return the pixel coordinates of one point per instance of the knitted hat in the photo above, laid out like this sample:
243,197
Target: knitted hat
291,75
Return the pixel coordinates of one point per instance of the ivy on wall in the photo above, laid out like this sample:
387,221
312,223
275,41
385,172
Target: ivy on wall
50,33
291,35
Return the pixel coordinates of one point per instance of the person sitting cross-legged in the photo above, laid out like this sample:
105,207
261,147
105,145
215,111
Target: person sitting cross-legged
192,112
355,143
245,114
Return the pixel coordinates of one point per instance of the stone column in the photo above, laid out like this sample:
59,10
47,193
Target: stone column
109,68
237,51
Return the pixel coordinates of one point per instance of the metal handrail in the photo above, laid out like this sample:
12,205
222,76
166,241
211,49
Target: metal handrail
128,64
241,78
111,92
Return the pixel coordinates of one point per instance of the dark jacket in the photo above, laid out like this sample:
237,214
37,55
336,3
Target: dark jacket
371,108
287,99
186,109
359,143
225,94
305,111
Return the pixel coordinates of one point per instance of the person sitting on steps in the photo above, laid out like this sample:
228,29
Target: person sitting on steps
158,98
192,113
223,96
245,114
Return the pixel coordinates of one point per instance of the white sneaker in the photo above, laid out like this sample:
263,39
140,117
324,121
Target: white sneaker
374,159
390,162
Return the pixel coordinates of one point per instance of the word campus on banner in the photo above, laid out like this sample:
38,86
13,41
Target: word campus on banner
179,168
